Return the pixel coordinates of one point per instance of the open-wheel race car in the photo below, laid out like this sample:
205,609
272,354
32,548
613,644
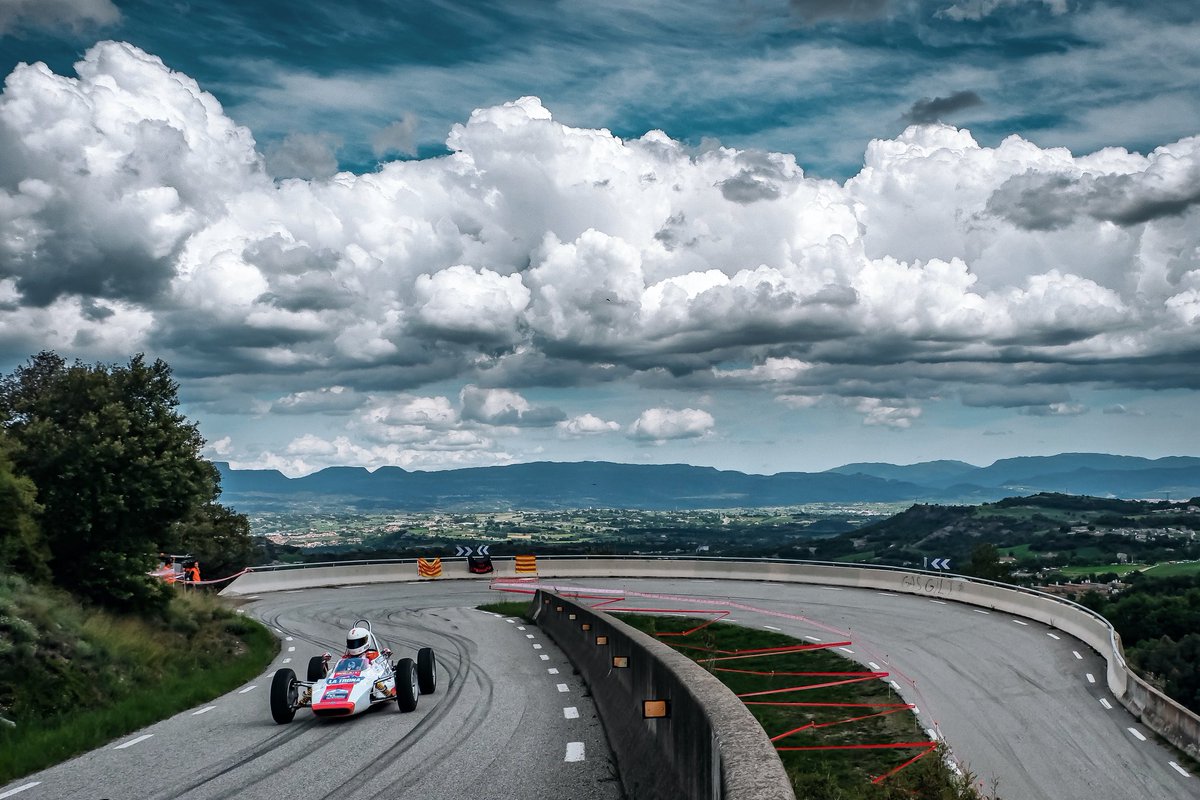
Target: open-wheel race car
363,677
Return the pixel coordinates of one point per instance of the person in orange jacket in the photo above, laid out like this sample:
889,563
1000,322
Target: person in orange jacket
193,572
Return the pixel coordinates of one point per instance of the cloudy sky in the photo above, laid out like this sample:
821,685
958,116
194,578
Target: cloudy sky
755,234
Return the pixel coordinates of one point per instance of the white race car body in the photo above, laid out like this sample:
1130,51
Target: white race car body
354,685
356,682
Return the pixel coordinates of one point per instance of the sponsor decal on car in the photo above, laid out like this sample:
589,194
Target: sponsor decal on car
335,694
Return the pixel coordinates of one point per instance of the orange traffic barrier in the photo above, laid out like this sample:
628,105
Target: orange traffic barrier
525,563
429,567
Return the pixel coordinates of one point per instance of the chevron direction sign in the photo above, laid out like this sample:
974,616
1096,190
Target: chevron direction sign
940,563
462,550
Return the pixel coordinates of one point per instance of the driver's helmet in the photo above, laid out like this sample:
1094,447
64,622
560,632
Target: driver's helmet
357,641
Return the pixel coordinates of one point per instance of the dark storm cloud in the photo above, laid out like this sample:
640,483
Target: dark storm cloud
746,188
1044,202
935,109
989,396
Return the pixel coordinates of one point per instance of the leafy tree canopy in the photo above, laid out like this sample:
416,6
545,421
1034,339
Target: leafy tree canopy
115,465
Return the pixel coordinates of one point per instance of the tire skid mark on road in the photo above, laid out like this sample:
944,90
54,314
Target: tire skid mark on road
446,710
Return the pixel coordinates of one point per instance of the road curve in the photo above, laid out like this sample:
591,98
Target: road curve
509,718
1010,696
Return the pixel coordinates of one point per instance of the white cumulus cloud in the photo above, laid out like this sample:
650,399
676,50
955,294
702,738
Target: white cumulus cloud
664,424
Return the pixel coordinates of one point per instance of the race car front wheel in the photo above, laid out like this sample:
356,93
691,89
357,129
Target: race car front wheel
285,696
426,670
316,668
407,690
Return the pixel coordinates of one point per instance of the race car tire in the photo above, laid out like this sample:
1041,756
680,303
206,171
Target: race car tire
426,670
316,668
407,690
285,696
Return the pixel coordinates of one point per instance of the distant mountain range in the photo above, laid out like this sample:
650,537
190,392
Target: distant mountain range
599,484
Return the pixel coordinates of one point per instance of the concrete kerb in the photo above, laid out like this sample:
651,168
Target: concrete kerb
1158,712
708,747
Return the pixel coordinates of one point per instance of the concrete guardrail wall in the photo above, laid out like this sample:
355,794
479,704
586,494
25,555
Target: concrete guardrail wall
1158,712
709,747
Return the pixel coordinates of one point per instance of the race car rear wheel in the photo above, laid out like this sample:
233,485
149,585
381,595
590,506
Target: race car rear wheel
426,670
407,689
316,668
285,696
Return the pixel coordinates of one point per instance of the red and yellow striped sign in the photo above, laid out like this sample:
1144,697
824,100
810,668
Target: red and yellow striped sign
429,567
525,563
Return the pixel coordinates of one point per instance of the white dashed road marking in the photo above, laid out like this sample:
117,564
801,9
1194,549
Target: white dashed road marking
553,670
286,661
511,621
1106,704
520,627
537,647
570,712
291,649
812,638
544,657
574,751
248,689
1052,636
1026,624
204,710
132,742
772,628
895,685
562,687
1137,734
529,636
887,594
1076,652
287,638
1091,678
873,665
981,611
846,650
20,789
939,602
1174,766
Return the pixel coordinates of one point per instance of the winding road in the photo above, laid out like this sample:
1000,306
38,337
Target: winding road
1015,700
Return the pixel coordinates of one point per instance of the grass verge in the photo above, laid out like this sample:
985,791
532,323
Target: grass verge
73,678
509,608
863,712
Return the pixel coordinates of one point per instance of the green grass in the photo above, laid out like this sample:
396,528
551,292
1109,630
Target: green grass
1166,570
509,608
1100,569
74,678
819,775
1020,551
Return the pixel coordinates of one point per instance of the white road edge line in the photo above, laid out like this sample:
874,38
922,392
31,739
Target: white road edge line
1106,704
570,712
574,751
204,710
20,789
132,742
1174,766
562,687
1137,734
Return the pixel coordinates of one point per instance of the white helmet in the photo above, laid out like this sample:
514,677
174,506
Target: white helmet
357,641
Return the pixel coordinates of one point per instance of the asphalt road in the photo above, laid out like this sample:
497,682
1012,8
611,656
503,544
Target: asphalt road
1011,697
509,718
1014,699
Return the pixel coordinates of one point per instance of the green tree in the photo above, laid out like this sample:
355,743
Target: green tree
985,563
218,537
22,548
115,465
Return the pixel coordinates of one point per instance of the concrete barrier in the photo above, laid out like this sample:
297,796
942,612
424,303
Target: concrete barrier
708,747
1156,711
